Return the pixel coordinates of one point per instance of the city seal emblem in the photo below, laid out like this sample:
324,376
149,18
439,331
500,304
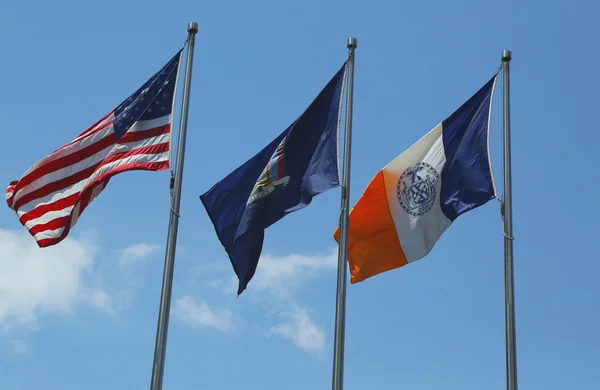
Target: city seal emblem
416,189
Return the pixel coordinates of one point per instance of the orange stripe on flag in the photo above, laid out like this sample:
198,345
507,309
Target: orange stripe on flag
373,245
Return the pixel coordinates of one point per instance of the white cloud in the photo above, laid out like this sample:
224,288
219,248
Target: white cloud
215,283
127,281
301,330
36,281
102,300
20,347
277,283
137,252
40,280
280,275
201,314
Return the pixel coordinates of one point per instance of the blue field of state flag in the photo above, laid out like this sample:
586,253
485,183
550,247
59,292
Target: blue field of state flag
299,164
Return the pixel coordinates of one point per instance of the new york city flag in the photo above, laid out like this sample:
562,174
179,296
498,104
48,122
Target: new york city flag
411,201
299,164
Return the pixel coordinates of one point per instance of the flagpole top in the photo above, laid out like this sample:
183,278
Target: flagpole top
192,27
352,44
506,55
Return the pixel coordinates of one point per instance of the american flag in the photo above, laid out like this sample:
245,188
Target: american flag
53,193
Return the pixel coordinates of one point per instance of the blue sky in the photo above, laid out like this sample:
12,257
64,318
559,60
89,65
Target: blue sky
83,314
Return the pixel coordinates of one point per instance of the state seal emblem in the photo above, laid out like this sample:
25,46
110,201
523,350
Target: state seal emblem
272,176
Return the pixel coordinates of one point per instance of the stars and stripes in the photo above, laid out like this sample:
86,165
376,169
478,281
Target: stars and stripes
53,193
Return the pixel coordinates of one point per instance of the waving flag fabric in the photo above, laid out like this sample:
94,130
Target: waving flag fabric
409,204
299,164
136,135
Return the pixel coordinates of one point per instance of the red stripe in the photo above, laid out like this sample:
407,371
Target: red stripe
88,151
49,241
140,135
74,198
89,131
96,124
156,166
87,199
11,191
56,185
99,129
81,175
52,225
152,149
83,198
54,206
68,160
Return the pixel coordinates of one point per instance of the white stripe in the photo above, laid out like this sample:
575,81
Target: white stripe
63,173
77,187
49,234
9,191
88,162
84,164
72,148
95,192
150,124
48,217
53,197
142,158
418,233
101,124
123,148
75,215
87,140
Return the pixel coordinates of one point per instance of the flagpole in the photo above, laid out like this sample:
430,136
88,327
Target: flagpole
167,284
340,304
511,353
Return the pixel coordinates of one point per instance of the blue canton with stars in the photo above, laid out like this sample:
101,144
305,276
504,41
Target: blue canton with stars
152,100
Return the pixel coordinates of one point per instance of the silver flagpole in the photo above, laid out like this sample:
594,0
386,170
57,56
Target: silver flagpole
340,304
509,290
167,284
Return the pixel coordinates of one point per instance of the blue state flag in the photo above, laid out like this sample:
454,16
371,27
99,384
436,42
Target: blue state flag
299,164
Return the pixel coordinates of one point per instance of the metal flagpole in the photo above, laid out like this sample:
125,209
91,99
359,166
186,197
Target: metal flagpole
340,304
167,284
509,290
